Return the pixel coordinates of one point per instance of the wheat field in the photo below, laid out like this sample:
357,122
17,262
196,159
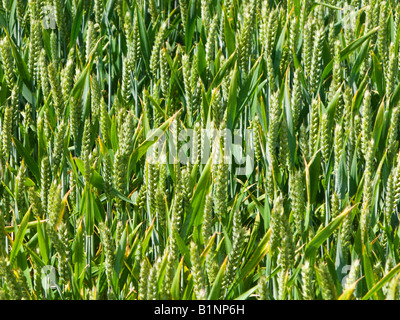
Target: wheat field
190,150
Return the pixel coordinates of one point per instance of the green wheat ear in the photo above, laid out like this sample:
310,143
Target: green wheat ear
298,201
152,282
307,276
14,290
284,159
245,35
307,47
95,98
272,137
164,73
35,47
263,289
205,14
144,274
126,82
59,147
135,46
8,62
325,137
255,126
45,181
186,68
155,53
197,272
56,90
393,132
20,187
98,9
286,258
44,78
86,140
37,207
366,120
61,18
153,11
346,231
109,253
293,35
107,174
326,282
314,126
338,147
296,99
397,179
270,34
184,7
316,60
172,254
67,76
7,131
238,243
210,45
383,32
219,173
127,25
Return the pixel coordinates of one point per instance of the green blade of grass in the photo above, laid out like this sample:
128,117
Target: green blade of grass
19,238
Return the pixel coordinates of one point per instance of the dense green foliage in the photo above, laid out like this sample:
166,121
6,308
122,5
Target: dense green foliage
87,212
